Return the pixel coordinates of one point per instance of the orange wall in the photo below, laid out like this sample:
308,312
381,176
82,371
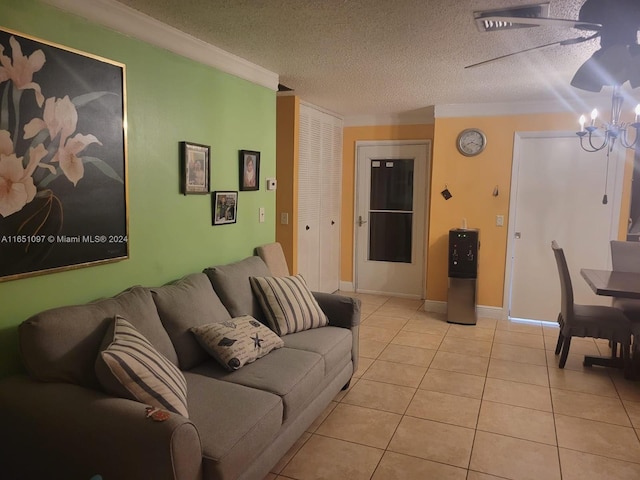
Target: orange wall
350,136
471,180
287,114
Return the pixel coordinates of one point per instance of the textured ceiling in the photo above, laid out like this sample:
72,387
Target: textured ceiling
383,57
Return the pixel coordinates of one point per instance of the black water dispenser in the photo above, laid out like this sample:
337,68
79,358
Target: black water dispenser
464,245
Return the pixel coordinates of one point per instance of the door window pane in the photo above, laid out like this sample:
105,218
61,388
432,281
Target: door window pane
391,185
390,236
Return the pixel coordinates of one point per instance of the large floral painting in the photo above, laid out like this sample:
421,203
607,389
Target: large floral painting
63,192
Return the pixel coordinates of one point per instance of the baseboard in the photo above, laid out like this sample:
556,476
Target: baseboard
347,287
482,310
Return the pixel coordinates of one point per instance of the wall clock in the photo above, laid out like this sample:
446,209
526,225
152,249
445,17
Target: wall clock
471,142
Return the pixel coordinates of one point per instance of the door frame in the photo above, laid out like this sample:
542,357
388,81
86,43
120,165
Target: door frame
392,143
519,137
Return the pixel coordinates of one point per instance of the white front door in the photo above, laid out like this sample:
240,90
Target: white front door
556,194
391,193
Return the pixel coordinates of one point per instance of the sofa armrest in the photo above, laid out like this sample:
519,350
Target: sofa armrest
58,430
344,312
341,310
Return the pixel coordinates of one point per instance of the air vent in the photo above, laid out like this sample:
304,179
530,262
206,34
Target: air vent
490,21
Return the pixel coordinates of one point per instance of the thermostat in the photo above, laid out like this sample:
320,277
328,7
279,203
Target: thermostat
272,183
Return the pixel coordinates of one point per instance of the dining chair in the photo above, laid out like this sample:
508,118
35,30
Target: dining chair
594,321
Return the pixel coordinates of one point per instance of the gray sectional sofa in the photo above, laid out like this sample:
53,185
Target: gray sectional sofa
58,423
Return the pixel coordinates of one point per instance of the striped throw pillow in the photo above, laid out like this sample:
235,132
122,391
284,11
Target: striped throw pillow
131,367
288,304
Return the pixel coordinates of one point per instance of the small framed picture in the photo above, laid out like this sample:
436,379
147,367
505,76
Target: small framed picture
224,207
249,170
194,168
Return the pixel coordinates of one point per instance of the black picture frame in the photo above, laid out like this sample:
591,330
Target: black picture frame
195,165
66,126
249,161
224,207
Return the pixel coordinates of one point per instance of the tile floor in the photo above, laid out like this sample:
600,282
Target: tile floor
437,401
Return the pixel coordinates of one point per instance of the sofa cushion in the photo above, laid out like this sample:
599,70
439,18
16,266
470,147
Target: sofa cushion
333,343
237,341
231,283
235,423
189,302
289,373
129,367
61,344
288,304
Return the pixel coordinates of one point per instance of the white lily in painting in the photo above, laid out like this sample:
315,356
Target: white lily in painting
20,70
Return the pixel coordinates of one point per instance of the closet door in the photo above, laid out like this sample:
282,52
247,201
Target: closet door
330,203
309,193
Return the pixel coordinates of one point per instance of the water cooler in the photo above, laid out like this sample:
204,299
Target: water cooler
463,272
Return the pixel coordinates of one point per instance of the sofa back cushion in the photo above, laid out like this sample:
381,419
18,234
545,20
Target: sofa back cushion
231,283
189,302
61,344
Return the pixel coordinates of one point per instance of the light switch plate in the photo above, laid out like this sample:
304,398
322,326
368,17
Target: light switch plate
261,214
499,220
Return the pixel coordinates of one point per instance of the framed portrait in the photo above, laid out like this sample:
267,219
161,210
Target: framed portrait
194,168
224,207
249,170
63,145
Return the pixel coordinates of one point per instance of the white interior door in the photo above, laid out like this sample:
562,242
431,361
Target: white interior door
391,193
557,191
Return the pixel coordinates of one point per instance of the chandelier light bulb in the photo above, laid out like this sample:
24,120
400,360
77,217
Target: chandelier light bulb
594,115
637,112
582,121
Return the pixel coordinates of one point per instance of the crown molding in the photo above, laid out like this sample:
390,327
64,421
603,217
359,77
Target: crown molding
130,22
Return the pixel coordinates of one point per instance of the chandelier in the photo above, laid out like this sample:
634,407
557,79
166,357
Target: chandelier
594,139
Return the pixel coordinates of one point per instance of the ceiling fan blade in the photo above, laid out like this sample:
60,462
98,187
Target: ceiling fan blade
542,21
570,41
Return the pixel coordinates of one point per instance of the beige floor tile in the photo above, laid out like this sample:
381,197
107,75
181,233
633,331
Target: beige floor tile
465,346
517,394
369,332
366,426
518,422
633,410
514,458
515,353
380,396
455,362
395,466
583,466
371,348
380,320
518,372
597,438
433,441
591,407
481,476
595,381
270,476
408,303
490,323
471,332
420,357
426,325
520,327
291,453
579,346
628,390
363,364
369,299
454,383
519,339
446,408
574,361
367,310
322,458
322,417
395,373
396,311
424,314
420,340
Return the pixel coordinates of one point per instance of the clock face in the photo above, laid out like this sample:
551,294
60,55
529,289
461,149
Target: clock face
471,142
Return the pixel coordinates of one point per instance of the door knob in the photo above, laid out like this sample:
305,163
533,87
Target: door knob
307,227
332,222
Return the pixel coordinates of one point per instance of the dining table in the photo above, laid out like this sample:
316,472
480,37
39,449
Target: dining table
613,284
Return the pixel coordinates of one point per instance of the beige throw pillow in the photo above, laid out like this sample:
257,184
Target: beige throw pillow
288,304
131,367
237,342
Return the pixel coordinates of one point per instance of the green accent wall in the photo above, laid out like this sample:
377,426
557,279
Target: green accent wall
169,99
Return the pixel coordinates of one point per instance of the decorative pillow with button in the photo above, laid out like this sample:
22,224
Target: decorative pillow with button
128,366
238,341
288,304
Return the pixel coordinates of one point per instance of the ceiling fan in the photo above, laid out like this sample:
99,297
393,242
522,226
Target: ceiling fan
614,22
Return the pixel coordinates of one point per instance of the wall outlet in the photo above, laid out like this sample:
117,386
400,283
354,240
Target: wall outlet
284,218
261,214
499,220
